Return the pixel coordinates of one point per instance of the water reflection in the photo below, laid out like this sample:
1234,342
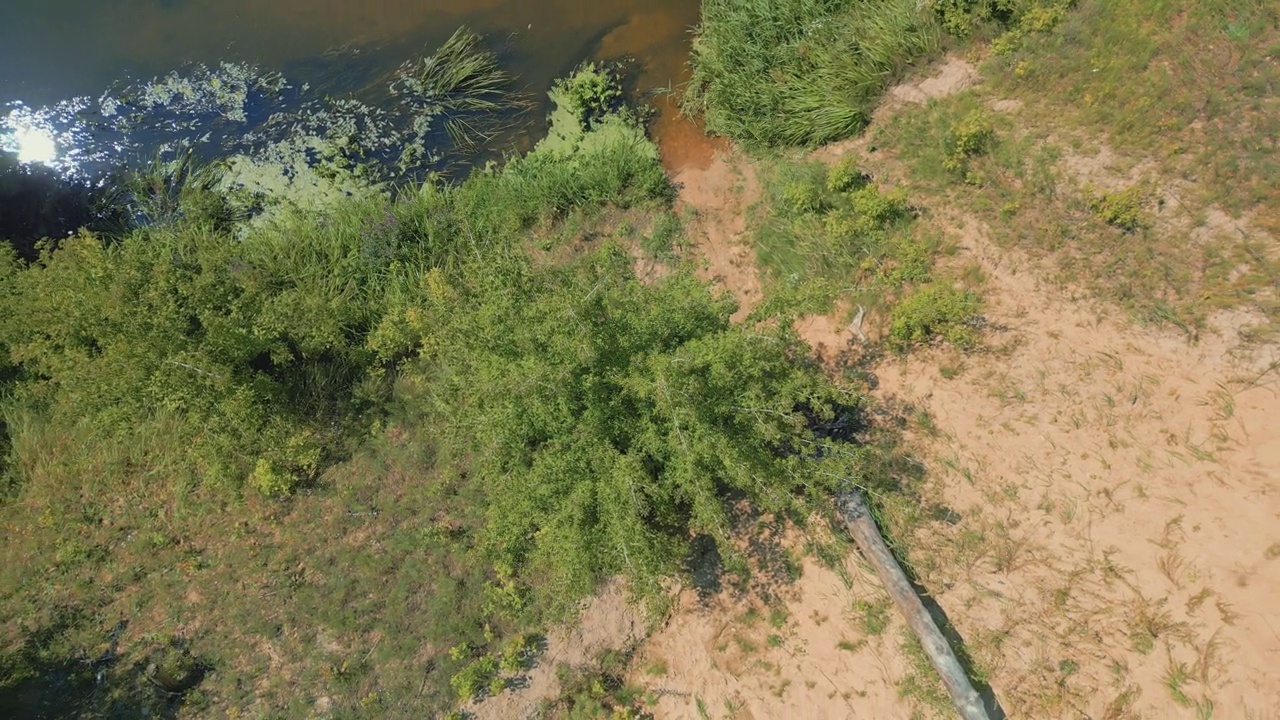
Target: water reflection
28,137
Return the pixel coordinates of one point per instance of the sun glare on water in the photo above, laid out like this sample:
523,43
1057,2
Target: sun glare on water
32,143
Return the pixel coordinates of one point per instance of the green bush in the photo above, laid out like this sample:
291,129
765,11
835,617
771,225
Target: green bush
590,94
269,343
937,310
1034,17
962,17
476,677
845,176
1121,209
970,137
800,72
607,418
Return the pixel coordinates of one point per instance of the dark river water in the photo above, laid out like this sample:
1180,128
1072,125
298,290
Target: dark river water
78,83
74,70
54,49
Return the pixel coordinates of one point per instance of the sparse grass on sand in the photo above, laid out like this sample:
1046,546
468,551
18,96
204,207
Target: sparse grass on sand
1138,154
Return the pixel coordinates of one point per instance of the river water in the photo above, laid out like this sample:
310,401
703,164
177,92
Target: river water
54,49
67,65
72,71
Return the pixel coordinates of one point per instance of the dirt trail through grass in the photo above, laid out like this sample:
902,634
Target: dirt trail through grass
1110,546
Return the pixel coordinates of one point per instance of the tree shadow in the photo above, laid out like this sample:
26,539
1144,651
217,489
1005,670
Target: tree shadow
957,643
37,203
44,678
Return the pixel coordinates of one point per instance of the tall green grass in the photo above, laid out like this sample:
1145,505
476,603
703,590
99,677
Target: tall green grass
801,72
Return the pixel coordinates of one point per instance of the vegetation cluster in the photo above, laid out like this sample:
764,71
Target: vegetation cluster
831,234
803,72
545,423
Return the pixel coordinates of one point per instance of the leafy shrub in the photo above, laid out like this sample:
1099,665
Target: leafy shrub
1036,17
962,17
515,654
1122,209
474,678
968,138
802,197
271,480
845,176
608,418
868,212
937,310
575,165
800,72
287,467
590,94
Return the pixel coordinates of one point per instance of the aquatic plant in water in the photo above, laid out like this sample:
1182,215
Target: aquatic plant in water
457,83
429,111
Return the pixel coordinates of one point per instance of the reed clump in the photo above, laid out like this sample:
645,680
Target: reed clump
801,72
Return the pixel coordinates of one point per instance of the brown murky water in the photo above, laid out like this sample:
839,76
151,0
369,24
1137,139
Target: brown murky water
54,49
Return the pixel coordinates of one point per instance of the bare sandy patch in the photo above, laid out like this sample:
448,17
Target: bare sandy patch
1119,494
953,75
608,621
715,199
810,661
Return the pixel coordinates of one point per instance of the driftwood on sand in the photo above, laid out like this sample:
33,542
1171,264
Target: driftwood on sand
862,527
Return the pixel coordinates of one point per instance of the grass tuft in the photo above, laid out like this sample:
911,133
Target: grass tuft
937,310
800,72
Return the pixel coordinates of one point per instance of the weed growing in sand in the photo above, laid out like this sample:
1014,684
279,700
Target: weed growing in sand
937,310
1151,621
970,137
921,685
821,234
1177,677
1272,552
596,690
778,618
872,615
1123,209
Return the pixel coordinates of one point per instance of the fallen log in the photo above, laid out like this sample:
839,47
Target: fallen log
862,527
